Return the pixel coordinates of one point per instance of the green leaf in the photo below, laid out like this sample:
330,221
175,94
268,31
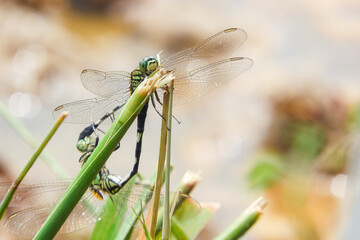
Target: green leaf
188,220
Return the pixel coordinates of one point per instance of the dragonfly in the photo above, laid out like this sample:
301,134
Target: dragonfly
35,202
197,70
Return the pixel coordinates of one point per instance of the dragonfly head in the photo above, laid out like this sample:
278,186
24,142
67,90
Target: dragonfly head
148,64
86,144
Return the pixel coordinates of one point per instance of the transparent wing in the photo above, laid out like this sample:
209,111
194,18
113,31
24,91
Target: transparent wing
199,80
138,198
212,49
131,197
113,87
38,200
91,110
104,83
28,222
29,195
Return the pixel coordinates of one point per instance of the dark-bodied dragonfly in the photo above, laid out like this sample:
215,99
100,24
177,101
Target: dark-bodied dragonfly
197,71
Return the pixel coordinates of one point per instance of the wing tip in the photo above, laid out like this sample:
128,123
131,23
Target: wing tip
241,58
58,108
249,61
230,29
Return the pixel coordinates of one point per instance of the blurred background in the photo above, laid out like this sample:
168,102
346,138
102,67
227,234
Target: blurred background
285,129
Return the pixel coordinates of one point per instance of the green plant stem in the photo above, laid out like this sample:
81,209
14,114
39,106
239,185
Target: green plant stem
161,163
245,221
166,222
32,141
98,158
6,200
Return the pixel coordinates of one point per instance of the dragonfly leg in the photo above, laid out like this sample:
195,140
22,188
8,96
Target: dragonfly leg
84,157
154,105
157,98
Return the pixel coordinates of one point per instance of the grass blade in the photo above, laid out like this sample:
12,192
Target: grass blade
6,200
245,221
32,141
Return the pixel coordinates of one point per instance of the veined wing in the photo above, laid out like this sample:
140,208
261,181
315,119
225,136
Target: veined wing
89,210
200,80
212,49
137,199
29,195
93,109
36,202
103,83
28,221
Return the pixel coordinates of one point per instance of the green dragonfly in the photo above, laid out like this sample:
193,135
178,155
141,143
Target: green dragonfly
197,71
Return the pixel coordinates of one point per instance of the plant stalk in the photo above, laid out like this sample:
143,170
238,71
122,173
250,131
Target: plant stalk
161,164
166,222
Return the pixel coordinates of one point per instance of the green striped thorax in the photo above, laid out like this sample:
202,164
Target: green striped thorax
147,65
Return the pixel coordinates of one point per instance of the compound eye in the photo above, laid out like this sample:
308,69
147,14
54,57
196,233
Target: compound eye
148,65
152,65
81,145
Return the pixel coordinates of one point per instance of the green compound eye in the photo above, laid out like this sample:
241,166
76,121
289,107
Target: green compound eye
82,145
148,65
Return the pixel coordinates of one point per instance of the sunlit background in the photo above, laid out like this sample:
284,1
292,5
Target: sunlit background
285,129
